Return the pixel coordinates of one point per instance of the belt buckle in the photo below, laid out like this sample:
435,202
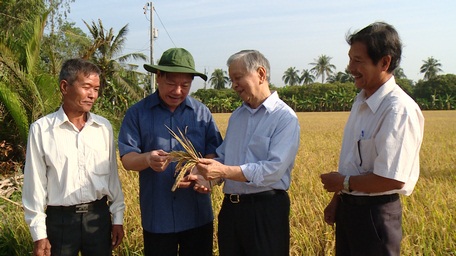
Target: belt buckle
234,198
82,208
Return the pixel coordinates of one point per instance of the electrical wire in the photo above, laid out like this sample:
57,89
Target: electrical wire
164,27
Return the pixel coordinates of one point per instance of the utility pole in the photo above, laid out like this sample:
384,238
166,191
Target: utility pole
153,35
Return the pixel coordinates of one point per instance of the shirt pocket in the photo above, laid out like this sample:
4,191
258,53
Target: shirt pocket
367,153
197,136
98,160
258,147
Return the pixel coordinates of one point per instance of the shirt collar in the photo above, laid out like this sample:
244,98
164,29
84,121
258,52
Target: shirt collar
376,99
269,104
62,118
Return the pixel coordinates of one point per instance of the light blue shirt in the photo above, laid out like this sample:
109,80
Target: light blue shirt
263,142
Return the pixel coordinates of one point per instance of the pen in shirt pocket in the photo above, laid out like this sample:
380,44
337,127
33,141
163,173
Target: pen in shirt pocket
359,148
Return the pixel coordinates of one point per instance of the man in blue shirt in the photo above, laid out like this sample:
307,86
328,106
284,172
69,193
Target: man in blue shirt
179,222
255,160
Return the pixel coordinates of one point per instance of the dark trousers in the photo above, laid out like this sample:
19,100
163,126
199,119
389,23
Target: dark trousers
370,229
255,225
88,232
193,242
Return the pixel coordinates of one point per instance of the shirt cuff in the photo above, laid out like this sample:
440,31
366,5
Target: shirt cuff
245,171
117,219
38,233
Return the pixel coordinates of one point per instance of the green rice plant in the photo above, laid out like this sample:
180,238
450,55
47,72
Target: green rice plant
15,238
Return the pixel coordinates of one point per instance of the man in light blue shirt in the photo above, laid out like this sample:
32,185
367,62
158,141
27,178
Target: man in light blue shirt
255,161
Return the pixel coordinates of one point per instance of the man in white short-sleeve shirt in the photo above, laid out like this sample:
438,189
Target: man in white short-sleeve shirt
379,158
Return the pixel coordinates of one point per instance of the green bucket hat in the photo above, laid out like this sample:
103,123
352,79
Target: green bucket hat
176,60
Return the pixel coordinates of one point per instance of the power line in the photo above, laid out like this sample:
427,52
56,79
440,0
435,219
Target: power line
164,27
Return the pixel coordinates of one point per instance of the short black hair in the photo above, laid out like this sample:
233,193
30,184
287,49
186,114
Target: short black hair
72,67
381,39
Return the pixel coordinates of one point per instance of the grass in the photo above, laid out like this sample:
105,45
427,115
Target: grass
429,216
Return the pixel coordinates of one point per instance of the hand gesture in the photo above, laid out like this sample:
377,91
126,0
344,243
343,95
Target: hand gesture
332,181
158,160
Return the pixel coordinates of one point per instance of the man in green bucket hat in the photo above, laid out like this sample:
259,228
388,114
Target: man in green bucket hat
179,222
176,60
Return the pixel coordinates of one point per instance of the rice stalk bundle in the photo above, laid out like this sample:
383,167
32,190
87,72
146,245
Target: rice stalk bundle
186,160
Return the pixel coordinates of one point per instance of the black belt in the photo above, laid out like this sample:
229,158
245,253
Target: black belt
80,208
237,198
368,200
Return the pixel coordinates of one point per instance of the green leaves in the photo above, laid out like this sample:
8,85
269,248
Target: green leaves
12,102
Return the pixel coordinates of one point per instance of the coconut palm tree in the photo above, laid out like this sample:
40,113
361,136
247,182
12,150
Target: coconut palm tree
291,77
306,77
342,77
322,67
399,73
219,79
65,43
430,68
118,89
338,77
347,77
25,92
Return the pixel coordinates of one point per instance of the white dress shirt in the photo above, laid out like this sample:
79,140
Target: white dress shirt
65,166
383,135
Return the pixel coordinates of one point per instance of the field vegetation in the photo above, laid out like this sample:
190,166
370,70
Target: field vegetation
429,214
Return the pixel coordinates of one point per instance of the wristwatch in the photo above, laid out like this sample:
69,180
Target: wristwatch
347,183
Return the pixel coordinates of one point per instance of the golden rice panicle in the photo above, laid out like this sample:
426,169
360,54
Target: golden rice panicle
186,160
188,166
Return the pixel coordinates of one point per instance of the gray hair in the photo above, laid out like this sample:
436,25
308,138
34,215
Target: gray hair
252,60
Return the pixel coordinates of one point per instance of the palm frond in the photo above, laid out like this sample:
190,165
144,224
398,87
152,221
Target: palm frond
14,106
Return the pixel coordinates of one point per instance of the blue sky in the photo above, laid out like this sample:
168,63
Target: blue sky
290,33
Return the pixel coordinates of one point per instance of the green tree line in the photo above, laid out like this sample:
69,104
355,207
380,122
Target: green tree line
437,93
336,91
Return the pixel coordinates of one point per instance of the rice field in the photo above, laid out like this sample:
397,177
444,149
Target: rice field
429,214
429,218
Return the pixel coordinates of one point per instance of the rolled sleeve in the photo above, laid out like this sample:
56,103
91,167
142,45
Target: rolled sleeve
281,153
